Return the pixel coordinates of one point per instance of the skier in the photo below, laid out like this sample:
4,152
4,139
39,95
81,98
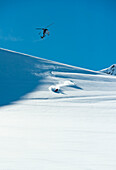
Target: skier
45,31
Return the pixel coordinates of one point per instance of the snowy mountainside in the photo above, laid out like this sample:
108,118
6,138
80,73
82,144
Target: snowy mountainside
110,70
21,74
54,116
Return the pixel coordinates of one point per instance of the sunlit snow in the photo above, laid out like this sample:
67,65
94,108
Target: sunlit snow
73,128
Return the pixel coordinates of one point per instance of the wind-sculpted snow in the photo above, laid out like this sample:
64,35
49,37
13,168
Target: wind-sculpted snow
55,116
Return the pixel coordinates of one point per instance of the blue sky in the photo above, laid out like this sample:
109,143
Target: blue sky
83,34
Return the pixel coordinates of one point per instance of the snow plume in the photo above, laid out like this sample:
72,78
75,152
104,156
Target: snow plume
57,88
110,70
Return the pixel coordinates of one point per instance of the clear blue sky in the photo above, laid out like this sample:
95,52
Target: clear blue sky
83,34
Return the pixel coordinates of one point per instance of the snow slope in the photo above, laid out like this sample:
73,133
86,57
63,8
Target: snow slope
73,128
21,74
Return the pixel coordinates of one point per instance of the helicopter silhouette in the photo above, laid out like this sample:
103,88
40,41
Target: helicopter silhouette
45,31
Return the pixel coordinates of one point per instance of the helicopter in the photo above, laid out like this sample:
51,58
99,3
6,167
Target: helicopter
45,31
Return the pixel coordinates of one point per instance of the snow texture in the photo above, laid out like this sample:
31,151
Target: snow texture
73,128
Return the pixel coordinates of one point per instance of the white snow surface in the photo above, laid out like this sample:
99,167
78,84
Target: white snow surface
71,129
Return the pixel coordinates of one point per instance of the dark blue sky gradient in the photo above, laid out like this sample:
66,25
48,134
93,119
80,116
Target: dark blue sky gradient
83,34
